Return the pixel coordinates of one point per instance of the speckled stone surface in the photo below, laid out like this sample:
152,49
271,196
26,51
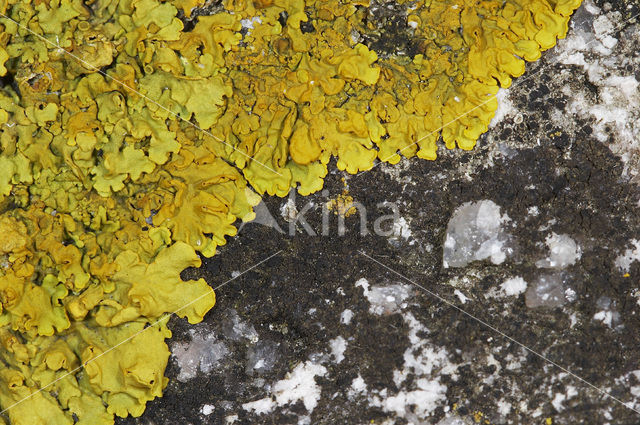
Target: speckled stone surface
373,329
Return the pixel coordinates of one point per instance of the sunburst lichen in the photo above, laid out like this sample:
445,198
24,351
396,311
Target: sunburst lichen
133,134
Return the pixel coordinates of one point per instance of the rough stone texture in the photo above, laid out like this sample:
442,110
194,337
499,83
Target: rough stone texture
303,343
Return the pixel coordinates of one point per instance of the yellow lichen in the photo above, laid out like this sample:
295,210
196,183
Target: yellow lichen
342,205
128,145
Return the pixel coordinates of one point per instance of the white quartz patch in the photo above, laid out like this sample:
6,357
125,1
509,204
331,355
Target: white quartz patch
630,255
419,387
207,409
424,399
635,390
607,313
298,385
401,229
592,47
546,291
560,399
202,354
261,406
505,107
358,386
262,357
236,329
563,252
454,420
338,347
385,299
249,23
514,286
462,297
346,316
475,233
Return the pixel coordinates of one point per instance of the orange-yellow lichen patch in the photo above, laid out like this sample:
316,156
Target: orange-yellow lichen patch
342,205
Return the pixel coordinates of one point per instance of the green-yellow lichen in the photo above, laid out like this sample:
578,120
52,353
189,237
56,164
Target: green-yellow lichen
129,144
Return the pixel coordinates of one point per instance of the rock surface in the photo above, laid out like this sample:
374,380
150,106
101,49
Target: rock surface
323,334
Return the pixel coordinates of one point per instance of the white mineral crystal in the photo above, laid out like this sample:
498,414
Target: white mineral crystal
623,261
475,233
546,291
202,354
453,420
262,357
563,252
385,299
514,286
